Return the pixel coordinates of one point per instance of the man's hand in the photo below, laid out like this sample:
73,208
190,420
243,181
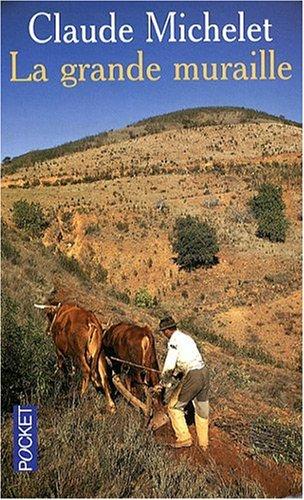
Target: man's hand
167,378
158,388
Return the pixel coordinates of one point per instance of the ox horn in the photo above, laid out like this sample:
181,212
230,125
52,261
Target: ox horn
43,306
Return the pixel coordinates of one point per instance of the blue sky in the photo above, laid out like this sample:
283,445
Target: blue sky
39,115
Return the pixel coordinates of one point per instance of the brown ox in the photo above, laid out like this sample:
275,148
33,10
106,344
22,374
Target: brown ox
77,335
134,344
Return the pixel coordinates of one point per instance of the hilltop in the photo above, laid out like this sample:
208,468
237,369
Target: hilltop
188,118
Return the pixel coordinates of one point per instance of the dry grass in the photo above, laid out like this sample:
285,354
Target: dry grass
84,452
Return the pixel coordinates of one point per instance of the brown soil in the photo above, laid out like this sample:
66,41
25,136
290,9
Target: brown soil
232,461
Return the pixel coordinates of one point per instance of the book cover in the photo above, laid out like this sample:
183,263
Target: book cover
151,249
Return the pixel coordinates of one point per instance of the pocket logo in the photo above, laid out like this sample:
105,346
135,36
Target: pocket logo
25,442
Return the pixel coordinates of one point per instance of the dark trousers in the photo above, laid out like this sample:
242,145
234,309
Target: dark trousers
195,387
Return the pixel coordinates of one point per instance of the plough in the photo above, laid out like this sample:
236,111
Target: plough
155,416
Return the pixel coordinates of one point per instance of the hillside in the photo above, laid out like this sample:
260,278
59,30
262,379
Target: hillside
189,118
111,207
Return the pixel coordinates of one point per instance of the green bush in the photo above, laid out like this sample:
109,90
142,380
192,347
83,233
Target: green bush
144,299
268,198
273,227
195,243
27,358
268,208
29,217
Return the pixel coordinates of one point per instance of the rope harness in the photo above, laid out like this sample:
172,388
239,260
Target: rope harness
134,364
49,331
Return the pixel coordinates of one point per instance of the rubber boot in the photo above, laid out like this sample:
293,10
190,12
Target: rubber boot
180,428
201,425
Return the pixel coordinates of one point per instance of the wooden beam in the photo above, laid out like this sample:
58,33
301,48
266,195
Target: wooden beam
129,397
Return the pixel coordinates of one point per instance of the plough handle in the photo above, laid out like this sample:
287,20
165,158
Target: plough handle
129,396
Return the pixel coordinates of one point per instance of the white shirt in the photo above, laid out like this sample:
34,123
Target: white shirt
182,354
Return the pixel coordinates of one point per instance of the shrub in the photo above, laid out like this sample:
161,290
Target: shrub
30,217
195,243
273,227
268,198
144,299
27,357
67,217
268,208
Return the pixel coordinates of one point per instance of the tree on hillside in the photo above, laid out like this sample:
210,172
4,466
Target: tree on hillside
195,243
269,210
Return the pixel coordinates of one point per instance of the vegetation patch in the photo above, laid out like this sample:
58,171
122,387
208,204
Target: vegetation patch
258,354
86,453
239,377
29,217
93,230
282,441
8,251
100,274
195,243
267,436
269,210
27,357
144,299
120,295
123,227
277,279
72,266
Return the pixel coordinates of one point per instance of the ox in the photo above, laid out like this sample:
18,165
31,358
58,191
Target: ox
77,334
134,344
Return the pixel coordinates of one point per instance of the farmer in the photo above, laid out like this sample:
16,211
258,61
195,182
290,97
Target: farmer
183,356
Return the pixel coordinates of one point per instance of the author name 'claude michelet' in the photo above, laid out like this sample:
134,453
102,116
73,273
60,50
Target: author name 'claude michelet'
45,27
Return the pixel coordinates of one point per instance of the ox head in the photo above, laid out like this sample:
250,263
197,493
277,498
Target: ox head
51,311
